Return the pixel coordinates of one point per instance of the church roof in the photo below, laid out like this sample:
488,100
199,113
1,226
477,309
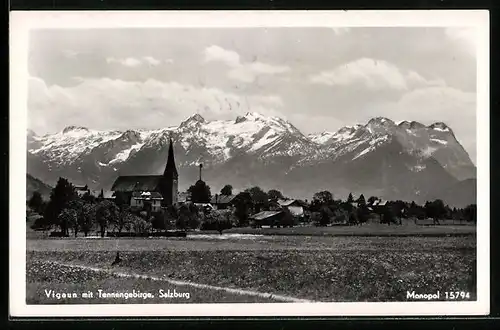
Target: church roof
137,183
170,168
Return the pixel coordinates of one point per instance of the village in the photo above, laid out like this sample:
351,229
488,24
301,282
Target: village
141,204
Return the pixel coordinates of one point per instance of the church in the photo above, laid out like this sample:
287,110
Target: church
152,191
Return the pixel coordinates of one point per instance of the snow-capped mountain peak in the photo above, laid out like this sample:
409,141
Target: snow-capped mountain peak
194,120
250,149
74,129
440,126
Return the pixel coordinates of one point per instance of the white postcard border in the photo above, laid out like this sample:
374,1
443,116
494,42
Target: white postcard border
21,22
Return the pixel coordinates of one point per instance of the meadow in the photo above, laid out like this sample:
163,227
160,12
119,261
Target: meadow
262,265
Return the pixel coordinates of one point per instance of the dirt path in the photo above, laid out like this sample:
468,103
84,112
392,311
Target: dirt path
190,284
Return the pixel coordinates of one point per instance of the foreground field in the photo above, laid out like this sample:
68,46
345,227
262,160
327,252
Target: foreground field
305,267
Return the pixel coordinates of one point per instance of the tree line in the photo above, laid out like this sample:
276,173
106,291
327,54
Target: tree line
67,211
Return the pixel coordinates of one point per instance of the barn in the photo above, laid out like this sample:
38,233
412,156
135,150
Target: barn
267,218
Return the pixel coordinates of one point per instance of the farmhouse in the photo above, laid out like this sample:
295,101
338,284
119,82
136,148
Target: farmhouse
166,185
267,218
82,190
108,195
146,199
222,202
294,206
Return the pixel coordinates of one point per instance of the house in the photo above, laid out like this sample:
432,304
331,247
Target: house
267,218
293,205
222,202
109,195
82,190
146,200
377,205
166,184
183,197
205,207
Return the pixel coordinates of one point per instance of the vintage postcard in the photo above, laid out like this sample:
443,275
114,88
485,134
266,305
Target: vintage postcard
300,163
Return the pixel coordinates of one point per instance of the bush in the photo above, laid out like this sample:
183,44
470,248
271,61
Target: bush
40,223
217,220
139,225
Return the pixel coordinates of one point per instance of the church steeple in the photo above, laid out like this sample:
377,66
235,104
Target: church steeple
170,169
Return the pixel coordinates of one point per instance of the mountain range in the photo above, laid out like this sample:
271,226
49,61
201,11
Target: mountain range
406,160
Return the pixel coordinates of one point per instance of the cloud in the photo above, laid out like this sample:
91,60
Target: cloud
373,74
111,103
70,53
454,107
134,62
151,60
244,72
216,53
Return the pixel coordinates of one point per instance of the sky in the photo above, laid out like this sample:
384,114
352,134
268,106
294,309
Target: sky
320,79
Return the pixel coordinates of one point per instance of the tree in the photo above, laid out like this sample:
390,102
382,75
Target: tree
258,195
274,194
77,206
371,200
200,192
124,219
67,218
353,218
158,222
194,220
88,197
325,215
361,201
36,202
259,198
243,204
188,217
435,210
60,196
362,213
121,199
88,218
387,216
350,199
323,197
470,213
106,213
139,225
227,190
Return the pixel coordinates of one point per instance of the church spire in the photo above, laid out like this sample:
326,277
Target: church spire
170,169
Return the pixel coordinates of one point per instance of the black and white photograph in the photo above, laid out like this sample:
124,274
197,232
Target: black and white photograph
258,168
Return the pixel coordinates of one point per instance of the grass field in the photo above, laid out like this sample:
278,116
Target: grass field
317,268
408,229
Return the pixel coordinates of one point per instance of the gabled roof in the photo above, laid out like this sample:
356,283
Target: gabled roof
288,202
131,183
108,194
264,215
222,199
